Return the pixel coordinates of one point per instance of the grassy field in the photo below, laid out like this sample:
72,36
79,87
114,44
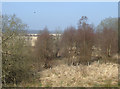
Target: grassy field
94,75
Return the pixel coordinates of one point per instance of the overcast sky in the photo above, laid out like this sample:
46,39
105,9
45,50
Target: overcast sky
59,14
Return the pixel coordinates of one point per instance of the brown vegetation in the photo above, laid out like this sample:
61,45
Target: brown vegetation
94,75
57,58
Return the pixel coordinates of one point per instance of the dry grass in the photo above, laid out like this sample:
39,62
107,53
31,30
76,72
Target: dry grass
82,76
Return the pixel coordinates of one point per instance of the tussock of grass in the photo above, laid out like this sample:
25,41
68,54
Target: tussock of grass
82,75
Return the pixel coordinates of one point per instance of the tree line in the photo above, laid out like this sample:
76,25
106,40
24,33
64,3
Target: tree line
78,42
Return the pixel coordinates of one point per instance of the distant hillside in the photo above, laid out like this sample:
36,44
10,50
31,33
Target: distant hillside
37,31
33,31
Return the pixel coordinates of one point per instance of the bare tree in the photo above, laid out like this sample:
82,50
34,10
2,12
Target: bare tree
107,36
110,41
44,47
85,39
68,40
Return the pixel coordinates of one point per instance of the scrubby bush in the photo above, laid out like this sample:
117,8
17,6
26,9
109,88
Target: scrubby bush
15,51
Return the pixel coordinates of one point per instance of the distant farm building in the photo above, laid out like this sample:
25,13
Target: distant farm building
33,37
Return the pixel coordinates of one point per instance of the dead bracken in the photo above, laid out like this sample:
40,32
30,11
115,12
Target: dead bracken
81,75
